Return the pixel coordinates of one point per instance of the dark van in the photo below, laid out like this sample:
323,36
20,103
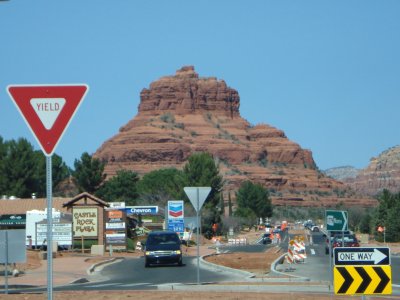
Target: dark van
163,247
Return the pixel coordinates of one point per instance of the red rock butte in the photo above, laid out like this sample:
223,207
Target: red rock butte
183,114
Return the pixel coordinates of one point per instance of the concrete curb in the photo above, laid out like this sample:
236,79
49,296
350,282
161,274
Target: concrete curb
93,268
103,263
251,276
291,276
287,289
223,268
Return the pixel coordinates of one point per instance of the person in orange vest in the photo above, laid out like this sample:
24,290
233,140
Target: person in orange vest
272,238
214,228
278,238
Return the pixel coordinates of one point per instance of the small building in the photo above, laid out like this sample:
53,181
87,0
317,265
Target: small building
87,217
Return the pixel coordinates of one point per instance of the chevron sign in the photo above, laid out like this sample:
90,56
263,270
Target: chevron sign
364,280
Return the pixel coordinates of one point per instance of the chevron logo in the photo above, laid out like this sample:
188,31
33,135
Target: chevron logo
175,209
362,280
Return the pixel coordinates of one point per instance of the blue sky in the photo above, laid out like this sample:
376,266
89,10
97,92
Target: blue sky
325,72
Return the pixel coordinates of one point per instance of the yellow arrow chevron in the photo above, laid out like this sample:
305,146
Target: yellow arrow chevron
356,280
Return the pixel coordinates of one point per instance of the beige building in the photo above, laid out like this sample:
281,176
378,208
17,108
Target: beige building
13,212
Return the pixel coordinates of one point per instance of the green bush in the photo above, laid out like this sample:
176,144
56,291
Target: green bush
87,244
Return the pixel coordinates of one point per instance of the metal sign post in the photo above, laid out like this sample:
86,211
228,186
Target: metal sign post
49,183
198,236
197,196
6,264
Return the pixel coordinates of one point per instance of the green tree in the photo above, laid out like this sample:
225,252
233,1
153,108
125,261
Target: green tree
201,170
120,188
59,172
3,175
23,170
19,167
159,186
230,208
393,221
89,173
365,224
253,200
386,215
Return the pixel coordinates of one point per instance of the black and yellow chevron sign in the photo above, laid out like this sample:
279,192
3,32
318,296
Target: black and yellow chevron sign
363,280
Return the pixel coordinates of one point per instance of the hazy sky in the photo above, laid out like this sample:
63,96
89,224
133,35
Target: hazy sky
325,72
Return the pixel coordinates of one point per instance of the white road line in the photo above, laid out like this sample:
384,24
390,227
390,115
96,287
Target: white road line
104,284
312,251
135,284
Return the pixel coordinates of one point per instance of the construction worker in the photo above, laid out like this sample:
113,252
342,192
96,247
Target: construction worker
278,237
272,238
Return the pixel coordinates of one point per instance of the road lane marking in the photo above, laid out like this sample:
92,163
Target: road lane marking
312,251
135,284
103,284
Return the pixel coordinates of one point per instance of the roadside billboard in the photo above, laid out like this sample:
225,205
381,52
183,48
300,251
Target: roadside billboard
115,229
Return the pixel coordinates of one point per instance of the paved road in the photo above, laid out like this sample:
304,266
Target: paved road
130,274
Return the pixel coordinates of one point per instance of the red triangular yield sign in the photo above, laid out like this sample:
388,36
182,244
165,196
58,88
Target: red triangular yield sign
47,109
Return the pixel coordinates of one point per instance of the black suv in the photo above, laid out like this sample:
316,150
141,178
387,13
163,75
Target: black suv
163,247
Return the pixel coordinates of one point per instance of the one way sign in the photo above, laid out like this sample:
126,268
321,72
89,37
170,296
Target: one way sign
362,256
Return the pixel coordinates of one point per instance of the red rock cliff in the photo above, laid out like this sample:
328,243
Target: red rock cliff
184,113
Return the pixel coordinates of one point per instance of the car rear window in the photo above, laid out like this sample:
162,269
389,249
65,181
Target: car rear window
162,239
346,239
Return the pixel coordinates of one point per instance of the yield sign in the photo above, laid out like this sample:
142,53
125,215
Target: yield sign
197,195
47,109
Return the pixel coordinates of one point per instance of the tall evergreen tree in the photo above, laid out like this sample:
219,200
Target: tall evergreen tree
89,173
120,188
393,221
23,170
59,172
159,186
230,208
19,167
3,175
386,215
253,198
201,170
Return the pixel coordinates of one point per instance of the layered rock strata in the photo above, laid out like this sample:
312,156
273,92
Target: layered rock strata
182,114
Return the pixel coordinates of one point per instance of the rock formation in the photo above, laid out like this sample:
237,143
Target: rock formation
383,172
182,114
342,173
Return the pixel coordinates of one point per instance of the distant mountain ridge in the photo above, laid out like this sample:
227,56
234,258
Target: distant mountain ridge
342,173
383,172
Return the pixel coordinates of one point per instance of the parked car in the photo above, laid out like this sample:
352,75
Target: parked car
276,230
163,247
266,239
347,240
314,228
334,234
